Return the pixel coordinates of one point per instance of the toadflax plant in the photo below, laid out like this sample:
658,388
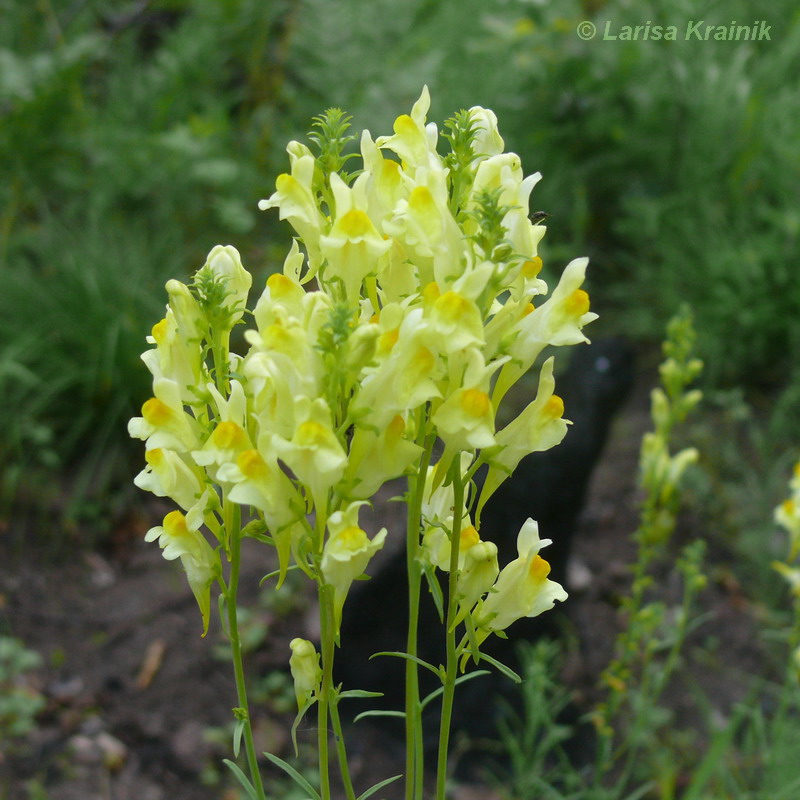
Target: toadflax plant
409,303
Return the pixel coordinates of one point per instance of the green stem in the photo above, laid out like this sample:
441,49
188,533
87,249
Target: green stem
327,644
414,745
236,649
220,354
341,751
449,683
326,688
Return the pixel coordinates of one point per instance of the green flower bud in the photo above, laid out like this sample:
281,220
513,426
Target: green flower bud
306,671
226,263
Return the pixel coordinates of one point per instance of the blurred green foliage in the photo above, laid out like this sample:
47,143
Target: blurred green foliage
136,134
19,702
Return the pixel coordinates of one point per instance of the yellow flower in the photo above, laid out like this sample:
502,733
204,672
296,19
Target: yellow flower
282,289
229,436
180,537
226,441
175,356
437,500
787,514
436,548
540,426
294,197
413,140
408,368
347,553
287,335
438,511
560,319
353,247
362,347
164,423
256,479
314,454
522,588
465,420
274,382
167,474
457,320
387,184
424,225
378,456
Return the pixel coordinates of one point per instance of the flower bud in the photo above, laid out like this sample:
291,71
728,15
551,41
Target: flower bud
488,141
306,671
188,315
363,344
226,263
479,573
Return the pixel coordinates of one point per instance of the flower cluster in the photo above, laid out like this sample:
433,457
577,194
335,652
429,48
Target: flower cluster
787,515
408,304
661,472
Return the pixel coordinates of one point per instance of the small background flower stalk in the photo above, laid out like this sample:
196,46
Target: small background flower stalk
648,648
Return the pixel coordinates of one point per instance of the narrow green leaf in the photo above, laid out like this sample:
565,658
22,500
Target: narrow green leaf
378,713
297,720
474,647
371,791
223,613
237,736
359,693
242,778
507,671
641,791
435,588
408,657
437,692
275,573
294,775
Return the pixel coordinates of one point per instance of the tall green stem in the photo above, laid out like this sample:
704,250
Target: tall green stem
328,700
234,539
326,688
451,667
414,744
341,750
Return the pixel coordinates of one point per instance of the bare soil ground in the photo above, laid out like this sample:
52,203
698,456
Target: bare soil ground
134,694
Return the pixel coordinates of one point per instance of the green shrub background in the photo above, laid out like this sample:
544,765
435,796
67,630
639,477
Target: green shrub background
134,136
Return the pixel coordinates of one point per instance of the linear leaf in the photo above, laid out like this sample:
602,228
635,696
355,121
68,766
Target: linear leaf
294,775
